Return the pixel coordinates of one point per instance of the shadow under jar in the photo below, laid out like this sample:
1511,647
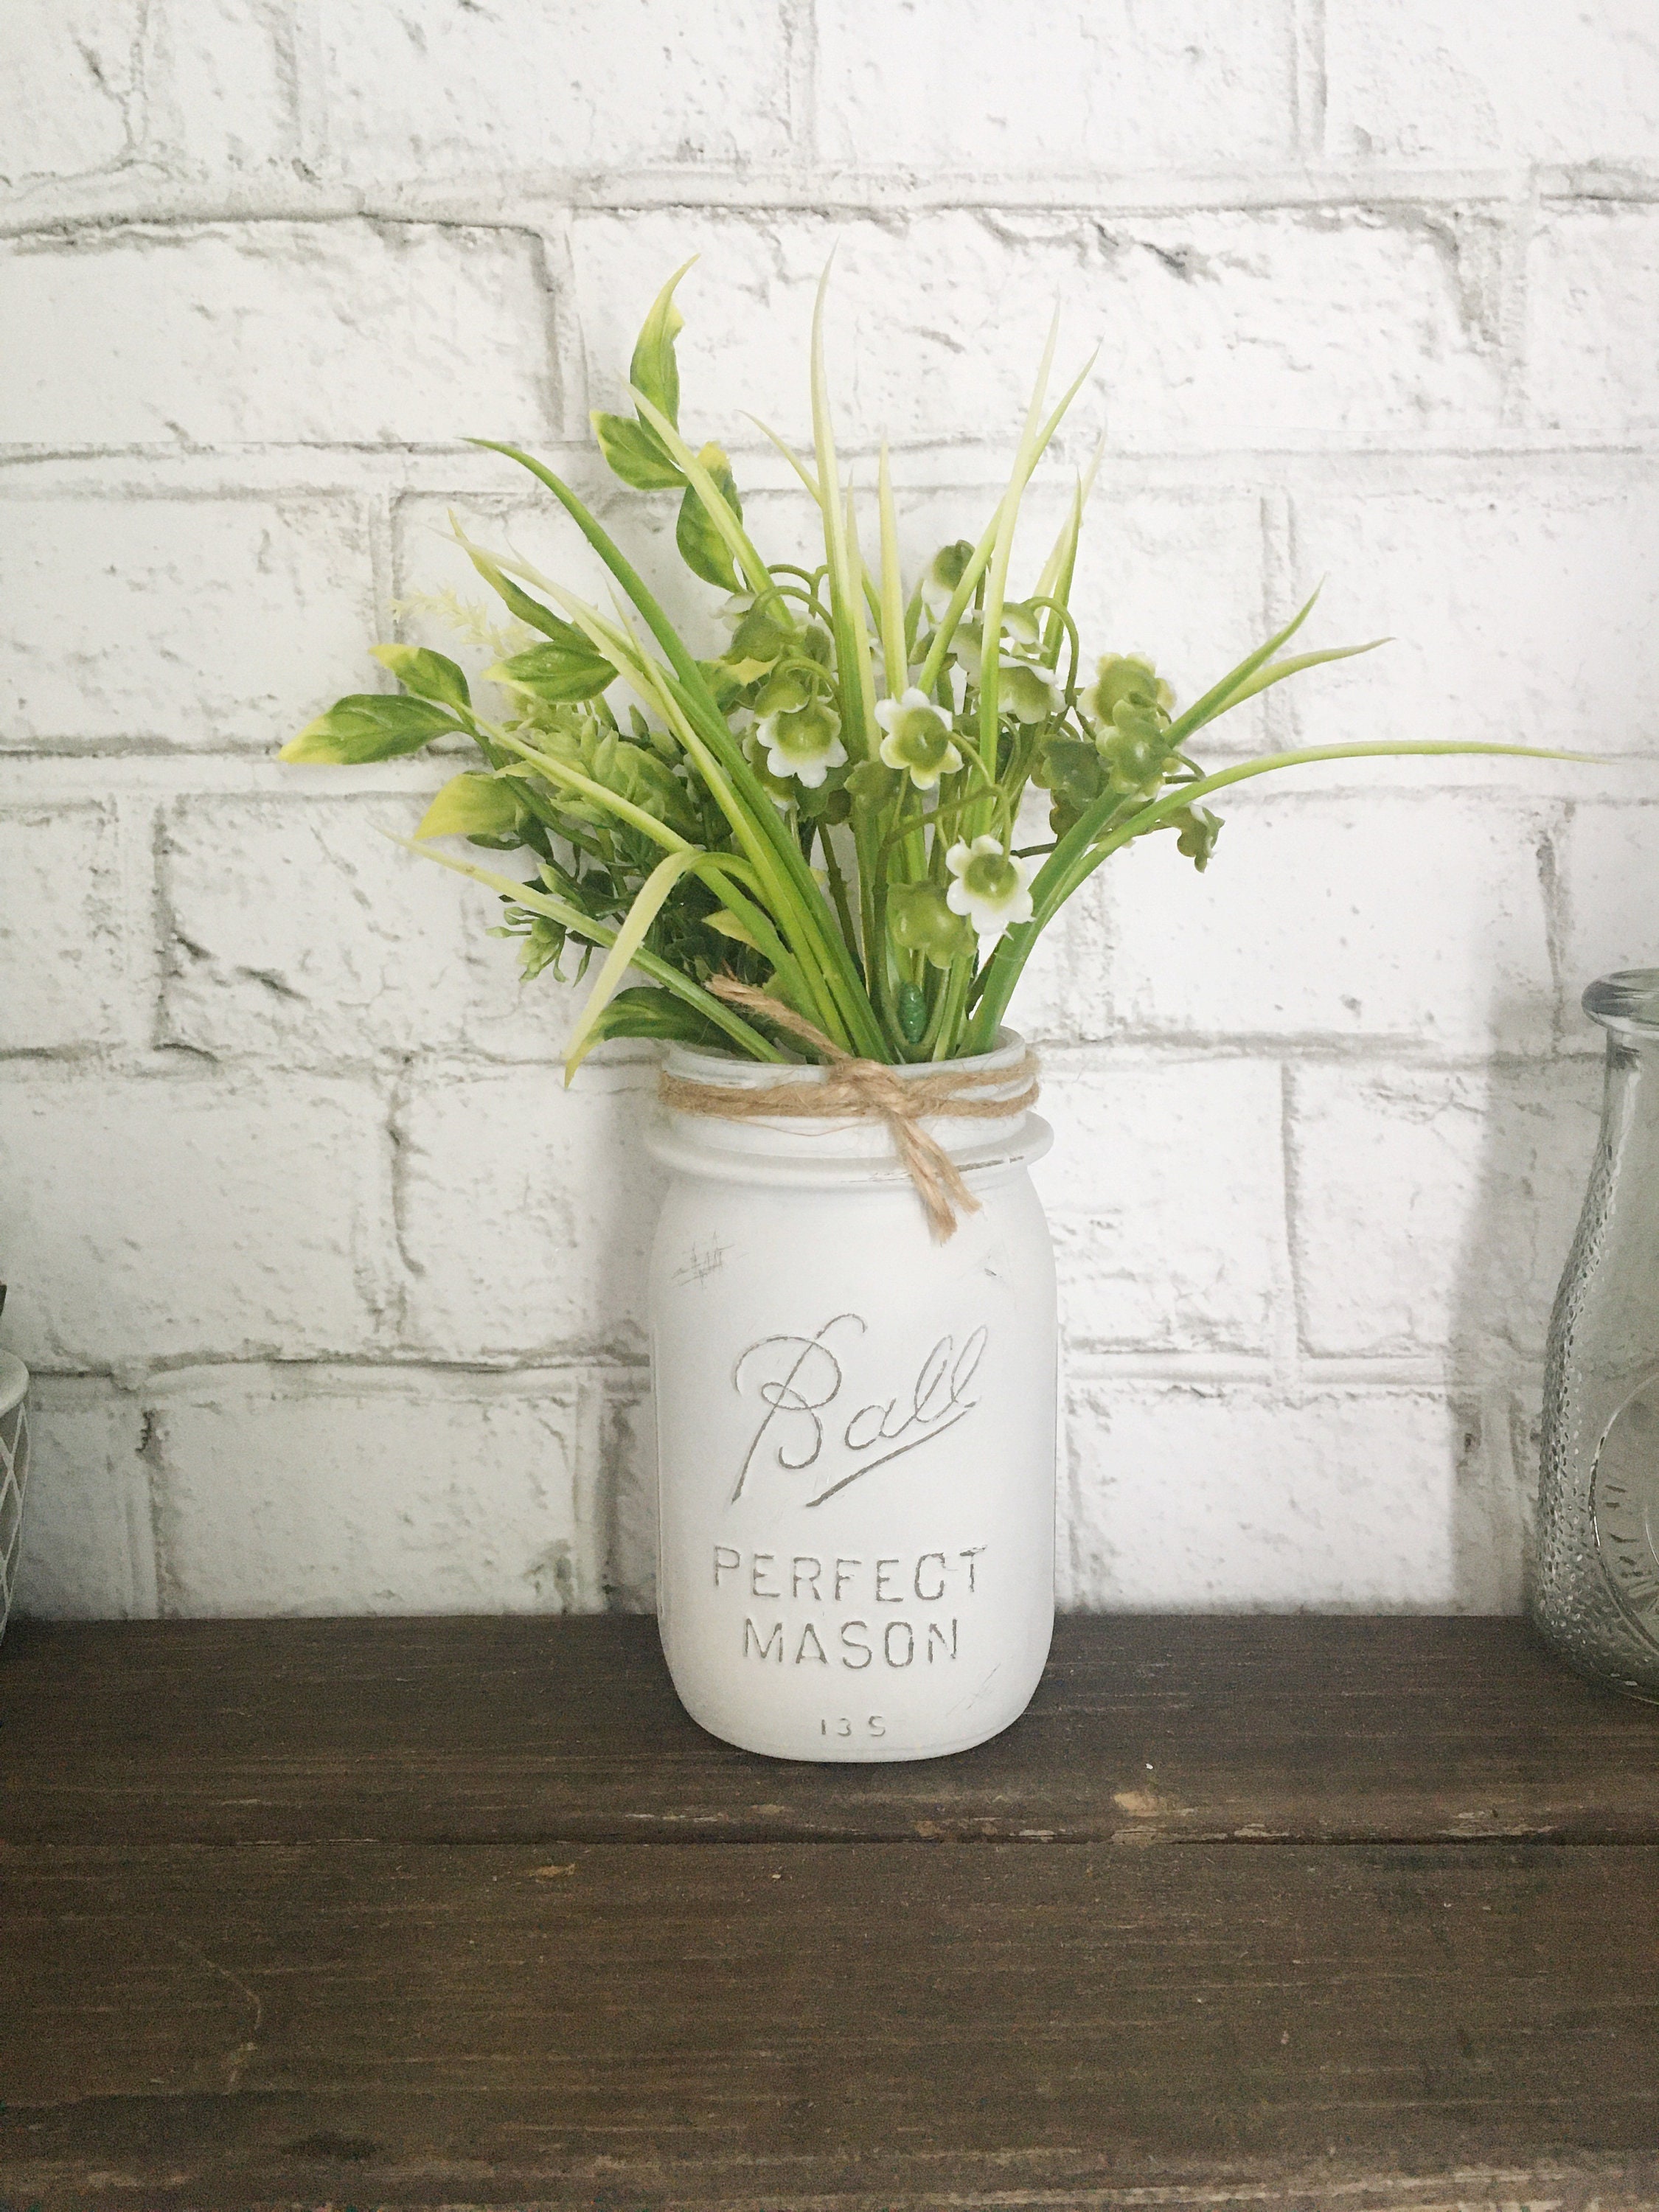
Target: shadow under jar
1596,1584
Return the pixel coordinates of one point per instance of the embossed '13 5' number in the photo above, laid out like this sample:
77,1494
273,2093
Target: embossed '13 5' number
873,1725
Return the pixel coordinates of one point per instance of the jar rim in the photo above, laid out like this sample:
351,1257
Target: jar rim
701,1064
1626,1002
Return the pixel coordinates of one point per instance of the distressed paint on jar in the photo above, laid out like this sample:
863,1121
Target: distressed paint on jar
855,1429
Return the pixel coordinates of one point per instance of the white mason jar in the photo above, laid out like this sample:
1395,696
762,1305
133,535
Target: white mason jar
855,1425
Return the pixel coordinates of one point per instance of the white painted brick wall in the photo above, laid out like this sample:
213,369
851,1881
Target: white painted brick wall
334,1293
182,620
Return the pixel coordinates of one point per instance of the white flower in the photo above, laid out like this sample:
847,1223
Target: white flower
1020,629
990,887
1028,692
804,743
945,572
917,738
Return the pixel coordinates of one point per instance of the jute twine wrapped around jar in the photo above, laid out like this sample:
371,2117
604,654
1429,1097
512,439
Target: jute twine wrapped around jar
865,1090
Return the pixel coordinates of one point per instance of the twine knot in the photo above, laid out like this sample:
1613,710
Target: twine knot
865,1090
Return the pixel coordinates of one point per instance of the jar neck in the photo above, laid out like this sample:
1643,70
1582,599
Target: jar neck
842,1147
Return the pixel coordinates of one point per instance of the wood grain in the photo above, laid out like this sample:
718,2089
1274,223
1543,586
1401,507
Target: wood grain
468,1912
1145,1731
968,2012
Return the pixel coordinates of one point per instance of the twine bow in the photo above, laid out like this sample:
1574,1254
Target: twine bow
864,1090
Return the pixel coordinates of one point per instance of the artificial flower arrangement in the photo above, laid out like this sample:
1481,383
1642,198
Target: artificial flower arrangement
808,849
823,817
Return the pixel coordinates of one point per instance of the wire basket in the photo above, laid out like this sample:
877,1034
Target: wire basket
14,1473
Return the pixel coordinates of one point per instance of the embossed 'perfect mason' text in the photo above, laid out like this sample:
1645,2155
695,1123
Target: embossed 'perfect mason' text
853,1640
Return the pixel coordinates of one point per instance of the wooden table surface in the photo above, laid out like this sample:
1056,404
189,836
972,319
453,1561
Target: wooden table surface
1263,1912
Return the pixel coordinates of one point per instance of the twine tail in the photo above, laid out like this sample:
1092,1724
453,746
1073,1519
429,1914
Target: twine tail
937,1180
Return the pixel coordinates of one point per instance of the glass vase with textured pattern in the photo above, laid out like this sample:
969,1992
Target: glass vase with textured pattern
1596,1590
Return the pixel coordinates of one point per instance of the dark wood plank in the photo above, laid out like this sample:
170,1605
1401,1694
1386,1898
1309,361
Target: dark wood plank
211,2025
537,1730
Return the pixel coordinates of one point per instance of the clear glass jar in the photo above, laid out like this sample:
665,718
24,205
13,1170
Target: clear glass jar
13,1471
1595,1585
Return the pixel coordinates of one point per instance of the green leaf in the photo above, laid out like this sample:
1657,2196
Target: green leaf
474,804
702,548
427,675
635,454
643,1011
1276,670
648,902
653,369
563,670
728,925
518,602
369,725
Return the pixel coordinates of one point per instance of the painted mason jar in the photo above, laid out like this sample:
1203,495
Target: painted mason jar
1595,1583
855,1424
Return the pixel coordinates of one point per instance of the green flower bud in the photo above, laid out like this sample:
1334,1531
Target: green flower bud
873,787
1124,679
920,920
786,690
763,634
1199,831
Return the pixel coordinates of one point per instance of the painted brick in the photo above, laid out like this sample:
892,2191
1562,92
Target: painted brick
308,332
526,1213
1164,1195
199,622
342,1491
154,1220
1085,89
1478,83
1412,918
1220,1497
68,87
1434,1211
60,940
627,1474
222,84
1219,330
1062,996
87,1554
421,87
323,941
1592,314
1609,862
1517,609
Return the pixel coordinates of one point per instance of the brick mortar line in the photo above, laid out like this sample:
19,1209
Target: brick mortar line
1391,1373
107,200
382,468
